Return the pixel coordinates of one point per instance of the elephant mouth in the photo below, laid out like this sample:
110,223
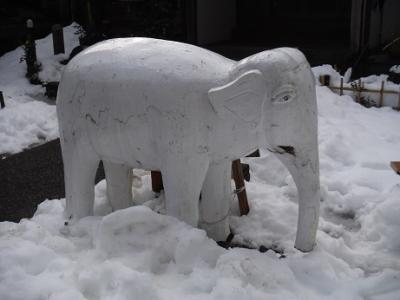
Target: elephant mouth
283,150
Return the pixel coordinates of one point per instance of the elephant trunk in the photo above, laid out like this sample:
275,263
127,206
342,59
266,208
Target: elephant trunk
306,178
303,164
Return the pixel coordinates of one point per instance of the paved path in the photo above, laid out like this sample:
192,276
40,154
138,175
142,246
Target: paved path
29,177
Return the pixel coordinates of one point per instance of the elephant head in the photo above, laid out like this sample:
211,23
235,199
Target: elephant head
273,93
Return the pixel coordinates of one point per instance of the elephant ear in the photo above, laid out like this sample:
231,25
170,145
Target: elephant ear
241,98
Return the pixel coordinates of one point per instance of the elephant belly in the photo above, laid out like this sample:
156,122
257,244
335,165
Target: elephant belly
122,140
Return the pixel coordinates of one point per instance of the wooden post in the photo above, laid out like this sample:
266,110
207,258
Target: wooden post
395,166
58,39
341,86
237,175
2,104
325,80
30,50
156,181
381,94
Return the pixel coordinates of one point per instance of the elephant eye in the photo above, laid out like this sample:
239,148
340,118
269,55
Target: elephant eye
285,94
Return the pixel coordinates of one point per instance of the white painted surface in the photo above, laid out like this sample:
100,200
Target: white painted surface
181,109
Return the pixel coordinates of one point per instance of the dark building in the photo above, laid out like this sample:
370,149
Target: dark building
336,32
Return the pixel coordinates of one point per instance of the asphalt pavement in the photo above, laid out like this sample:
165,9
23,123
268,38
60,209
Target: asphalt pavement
30,177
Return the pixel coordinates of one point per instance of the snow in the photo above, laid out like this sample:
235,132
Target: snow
395,69
141,253
29,118
372,82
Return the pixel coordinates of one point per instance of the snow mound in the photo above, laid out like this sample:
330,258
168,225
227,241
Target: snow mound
155,240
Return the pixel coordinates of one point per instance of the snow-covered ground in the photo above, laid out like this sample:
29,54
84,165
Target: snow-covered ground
139,253
29,118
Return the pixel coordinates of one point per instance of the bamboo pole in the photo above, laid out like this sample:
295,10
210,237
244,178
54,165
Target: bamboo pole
359,89
381,94
363,90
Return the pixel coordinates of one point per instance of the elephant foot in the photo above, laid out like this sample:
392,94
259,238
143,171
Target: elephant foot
218,231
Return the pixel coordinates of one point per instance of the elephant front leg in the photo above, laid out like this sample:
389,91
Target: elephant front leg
80,167
215,201
183,178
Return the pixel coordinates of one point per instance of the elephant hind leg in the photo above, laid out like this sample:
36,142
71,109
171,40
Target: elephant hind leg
119,185
80,166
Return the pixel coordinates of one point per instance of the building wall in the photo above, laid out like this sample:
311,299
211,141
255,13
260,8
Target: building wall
373,25
391,21
216,20
384,24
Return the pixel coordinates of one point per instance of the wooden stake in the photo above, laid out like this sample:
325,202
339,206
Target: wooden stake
395,166
156,181
2,104
237,175
58,39
324,80
398,104
381,94
341,86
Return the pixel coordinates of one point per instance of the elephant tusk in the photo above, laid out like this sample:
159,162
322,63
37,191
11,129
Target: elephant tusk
283,150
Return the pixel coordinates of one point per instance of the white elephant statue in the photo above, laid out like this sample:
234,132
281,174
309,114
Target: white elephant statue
188,112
